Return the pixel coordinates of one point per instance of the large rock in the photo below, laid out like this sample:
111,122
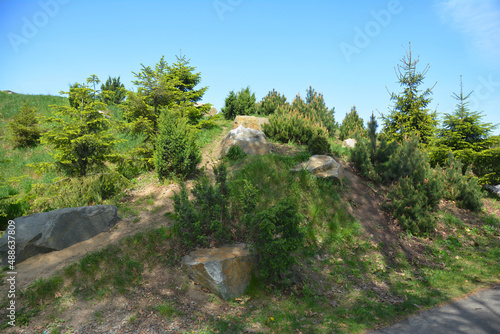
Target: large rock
55,230
350,142
250,122
225,271
251,141
494,189
321,166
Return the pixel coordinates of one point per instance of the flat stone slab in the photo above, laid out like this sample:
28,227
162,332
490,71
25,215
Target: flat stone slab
225,271
321,166
250,122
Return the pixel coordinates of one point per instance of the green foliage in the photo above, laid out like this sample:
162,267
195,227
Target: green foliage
314,107
271,102
318,145
290,125
362,159
463,188
80,136
241,103
235,152
116,91
351,125
417,190
77,98
372,134
176,152
75,192
24,127
409,114
277,235
204,221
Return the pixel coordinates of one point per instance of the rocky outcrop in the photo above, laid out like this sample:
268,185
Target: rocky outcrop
225,271
494,189
251,141
250,122
349,143
55,230
321,166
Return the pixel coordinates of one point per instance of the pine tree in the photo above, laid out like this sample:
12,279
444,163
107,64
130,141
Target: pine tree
115,89
351,125
81,139
409,114
372,134
315,108
270,103
24,127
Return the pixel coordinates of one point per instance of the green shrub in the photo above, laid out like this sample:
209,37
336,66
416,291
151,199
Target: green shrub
361,158
176,152
290,125
276,234
241,103
74,192
314,107
24,127
271,102
205,220
235,152
464,188
318,145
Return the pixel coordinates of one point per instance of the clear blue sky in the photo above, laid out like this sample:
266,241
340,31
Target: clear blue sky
346,50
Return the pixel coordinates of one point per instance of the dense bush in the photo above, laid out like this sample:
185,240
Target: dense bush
176,152
290,125
235,152
241,103
276,234
270,102
464,188
74,192
362,159
318,145
205,220
24,127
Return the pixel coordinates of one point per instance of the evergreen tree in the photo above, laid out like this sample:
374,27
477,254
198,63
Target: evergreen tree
241,103
315,108
409,114
187,81
351,125
176,152
372,134
80,136
116,91
270,103
24,127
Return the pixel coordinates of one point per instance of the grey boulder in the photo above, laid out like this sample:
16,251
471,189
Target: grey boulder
225,271
494,189
55,230
322,166
252,141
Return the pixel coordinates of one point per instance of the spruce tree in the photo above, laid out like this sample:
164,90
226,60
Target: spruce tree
372,134
241,103
80,137
410,114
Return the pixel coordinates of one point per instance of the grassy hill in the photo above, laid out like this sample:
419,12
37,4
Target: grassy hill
356,270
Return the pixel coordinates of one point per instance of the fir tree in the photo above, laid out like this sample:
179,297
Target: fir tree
80,136
409,114
351,125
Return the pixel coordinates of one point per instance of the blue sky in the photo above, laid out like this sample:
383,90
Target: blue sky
346,50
